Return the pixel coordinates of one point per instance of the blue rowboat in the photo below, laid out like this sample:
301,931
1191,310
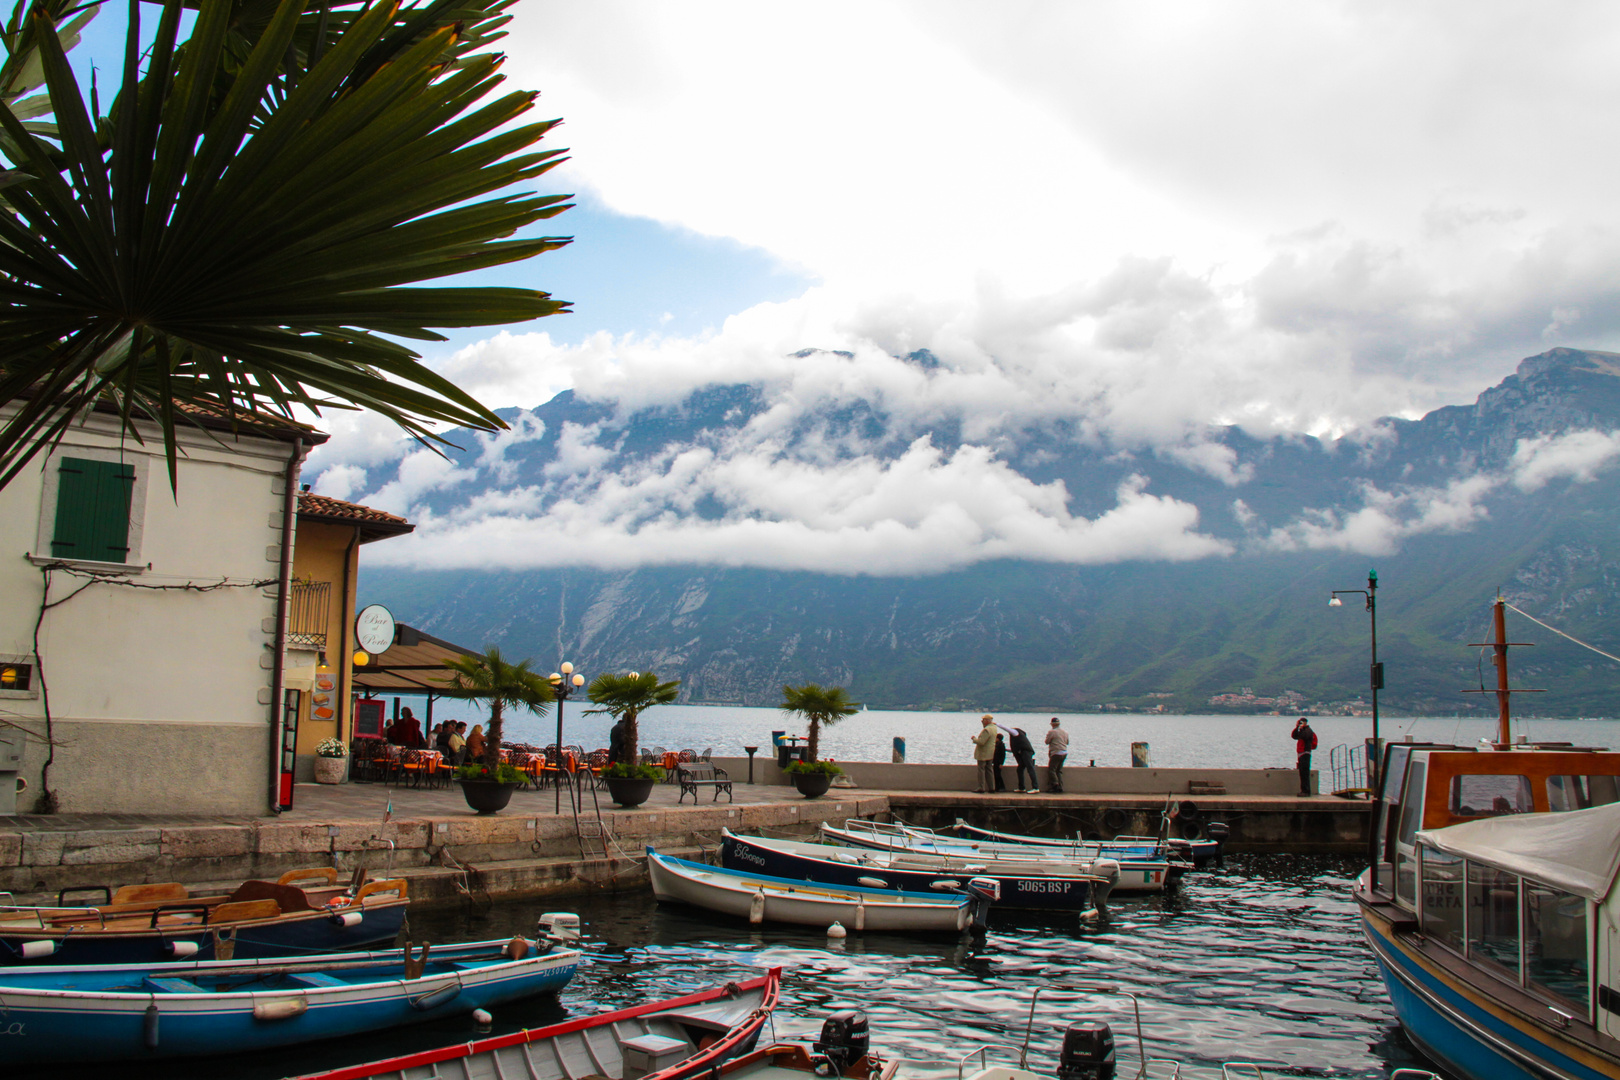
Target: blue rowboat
761,898
801,861
678,1039
146,1012
150,924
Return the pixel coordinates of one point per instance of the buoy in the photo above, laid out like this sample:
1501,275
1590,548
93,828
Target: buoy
482,1020
347,918
149,1027
836,930
517,948
860,914
756,907
37,950
180,950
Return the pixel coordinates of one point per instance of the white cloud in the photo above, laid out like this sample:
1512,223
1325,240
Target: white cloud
1386,518
420,472
1577,455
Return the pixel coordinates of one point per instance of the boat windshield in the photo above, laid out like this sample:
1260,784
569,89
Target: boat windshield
1581,792
1490,795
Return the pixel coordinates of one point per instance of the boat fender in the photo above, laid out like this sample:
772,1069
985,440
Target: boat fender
836,930
945,884
149,1027
860,914
346,918
517,948
872,882
37,950
434,998
280,1009
756,907
180,950
482,1020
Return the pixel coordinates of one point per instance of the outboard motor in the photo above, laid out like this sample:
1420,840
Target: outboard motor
1105,875
1218,832
985,891
559,927
844,1040
1088,1052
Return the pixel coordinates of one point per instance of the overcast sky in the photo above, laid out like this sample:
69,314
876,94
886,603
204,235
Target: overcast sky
1150,217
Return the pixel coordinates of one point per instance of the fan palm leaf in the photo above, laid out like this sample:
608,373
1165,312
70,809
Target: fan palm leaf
628,696
246,231
502,685
817,705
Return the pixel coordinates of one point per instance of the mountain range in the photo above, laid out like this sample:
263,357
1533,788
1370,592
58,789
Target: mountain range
1222,604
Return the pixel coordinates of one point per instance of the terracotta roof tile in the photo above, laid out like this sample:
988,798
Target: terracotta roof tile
326,508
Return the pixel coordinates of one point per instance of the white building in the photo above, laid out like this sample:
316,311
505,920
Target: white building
137,627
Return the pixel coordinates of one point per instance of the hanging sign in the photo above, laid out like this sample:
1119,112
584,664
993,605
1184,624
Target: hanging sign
374,629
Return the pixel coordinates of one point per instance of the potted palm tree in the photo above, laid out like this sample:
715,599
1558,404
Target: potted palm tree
487,785
816,705
625,698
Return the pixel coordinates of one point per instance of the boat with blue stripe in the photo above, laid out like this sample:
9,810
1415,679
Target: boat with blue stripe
148,1012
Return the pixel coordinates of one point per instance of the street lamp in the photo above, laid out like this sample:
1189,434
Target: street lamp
563,684
1377,669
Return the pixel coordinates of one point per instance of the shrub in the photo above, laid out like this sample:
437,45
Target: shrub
477,770
332,747
621,770
824,768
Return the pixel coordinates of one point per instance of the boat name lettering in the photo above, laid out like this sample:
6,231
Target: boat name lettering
1043,886
749,856
13,1028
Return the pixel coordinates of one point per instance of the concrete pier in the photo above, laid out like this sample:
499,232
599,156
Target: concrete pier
447,852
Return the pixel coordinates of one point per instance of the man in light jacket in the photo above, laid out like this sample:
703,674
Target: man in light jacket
1057,751
984,754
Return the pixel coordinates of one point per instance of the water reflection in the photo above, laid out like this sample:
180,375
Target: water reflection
1260,960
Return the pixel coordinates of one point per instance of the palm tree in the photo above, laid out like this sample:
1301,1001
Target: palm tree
236,235
489,676
627,696
818,705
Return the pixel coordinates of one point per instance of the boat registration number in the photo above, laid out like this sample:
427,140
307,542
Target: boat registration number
1043,886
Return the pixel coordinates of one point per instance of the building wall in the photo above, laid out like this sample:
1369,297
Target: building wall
160,698
320,555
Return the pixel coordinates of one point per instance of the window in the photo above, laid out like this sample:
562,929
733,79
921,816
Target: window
1443,897
1580,792
1555,955
1406,835
17,679
1482,795
1493,918
92,510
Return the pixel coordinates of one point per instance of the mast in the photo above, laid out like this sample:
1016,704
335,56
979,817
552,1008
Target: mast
1504,736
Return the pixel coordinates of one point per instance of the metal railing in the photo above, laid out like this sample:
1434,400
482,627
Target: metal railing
311,602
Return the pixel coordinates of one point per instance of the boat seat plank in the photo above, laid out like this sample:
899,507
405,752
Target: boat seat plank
171,985
315,978
146,894
245,911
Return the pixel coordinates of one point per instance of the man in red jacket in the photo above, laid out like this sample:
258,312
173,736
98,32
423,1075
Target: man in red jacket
1304,743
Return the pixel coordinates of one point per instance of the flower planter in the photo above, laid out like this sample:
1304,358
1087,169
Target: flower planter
811,785
629,791
331,770
487,796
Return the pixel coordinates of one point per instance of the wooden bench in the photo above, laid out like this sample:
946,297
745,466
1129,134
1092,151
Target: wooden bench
695,774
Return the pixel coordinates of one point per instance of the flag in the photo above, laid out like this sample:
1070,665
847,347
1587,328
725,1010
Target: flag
388,814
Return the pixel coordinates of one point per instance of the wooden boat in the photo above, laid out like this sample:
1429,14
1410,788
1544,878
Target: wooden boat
763,898
145,924
1041,890
993,860
1490,902
143,1012
676,1039
1201,852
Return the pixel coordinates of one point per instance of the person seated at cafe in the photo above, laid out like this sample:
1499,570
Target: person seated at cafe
394,733
476,744
458,745
411,736
441,740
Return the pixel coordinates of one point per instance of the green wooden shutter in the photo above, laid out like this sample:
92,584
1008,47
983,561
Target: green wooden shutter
92,510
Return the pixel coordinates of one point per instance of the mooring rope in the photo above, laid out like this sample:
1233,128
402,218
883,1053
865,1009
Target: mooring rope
1561,634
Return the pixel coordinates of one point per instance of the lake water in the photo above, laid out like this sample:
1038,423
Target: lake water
1259,960
1214,742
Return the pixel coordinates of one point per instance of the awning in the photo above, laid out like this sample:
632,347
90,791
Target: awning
413,664
1577,851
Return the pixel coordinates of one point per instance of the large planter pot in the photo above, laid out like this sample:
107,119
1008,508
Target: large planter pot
811,785
629,791
330,770
487,796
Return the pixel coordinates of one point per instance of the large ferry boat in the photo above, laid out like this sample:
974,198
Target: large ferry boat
1490,904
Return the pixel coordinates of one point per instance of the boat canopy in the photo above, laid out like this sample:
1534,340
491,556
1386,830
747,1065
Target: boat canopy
1577,851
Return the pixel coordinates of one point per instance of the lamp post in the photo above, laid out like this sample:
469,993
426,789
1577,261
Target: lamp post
1376,670
563,683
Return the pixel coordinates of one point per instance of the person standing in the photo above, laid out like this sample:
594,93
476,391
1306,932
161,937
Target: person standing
1023,753
1057,751
616,742
984,753
999,762
1304,742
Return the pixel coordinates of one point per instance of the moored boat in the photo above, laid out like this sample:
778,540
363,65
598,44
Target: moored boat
1201,852
1135,875
673,1039
1490,903
140,924
144,1012
1044,889
764,898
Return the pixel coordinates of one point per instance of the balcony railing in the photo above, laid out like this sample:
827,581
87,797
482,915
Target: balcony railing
306,621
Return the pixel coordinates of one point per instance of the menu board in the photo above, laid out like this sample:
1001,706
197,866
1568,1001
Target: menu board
368,718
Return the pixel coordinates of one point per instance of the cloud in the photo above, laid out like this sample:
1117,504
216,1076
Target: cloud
1386,518
1577,455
